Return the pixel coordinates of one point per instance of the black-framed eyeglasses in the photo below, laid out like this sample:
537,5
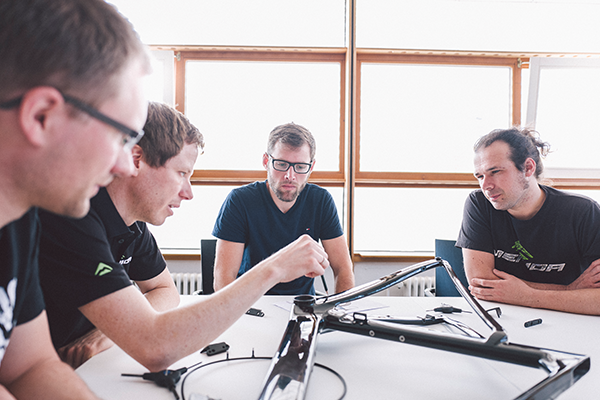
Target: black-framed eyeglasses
283,166
132,136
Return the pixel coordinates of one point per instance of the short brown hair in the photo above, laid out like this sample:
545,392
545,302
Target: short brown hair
294,136
166,132
76,46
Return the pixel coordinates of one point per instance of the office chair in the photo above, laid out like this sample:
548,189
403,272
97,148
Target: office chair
446,250
207,260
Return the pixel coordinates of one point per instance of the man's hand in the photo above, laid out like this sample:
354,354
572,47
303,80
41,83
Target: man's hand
589,279
82,349
304,256
506,289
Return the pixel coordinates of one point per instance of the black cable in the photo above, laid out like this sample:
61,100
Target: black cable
166,378
253,357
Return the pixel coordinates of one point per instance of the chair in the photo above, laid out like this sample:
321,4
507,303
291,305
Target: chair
446,250
207,260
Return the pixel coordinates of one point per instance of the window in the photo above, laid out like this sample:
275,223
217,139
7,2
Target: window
395,92
245,100
564,104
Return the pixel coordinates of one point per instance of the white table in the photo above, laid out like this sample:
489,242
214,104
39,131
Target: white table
372,368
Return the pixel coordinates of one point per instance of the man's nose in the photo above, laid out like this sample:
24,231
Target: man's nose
290,173
487,183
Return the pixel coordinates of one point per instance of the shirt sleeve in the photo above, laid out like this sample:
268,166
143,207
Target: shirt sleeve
231,223
475,231
76,259
148,262
589,232
29,292
331,227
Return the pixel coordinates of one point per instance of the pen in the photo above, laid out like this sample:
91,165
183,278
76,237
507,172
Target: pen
324,284
533,322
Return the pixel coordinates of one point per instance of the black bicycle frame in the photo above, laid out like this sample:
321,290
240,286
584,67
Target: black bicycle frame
292,364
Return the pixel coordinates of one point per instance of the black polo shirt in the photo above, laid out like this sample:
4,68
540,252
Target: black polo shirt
82,260
20,294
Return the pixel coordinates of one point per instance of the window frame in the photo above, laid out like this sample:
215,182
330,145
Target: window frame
429,179
348,174
263,54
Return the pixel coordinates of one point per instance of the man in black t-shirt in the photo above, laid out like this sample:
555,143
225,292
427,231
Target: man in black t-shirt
525,243
86,266
71,107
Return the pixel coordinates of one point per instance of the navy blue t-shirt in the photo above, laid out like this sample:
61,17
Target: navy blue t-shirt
250,216
82,260
21,298
555,246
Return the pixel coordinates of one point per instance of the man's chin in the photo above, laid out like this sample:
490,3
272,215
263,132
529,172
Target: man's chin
76,211
288,198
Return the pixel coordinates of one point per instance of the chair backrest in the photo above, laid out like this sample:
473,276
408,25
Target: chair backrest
447,250
207,259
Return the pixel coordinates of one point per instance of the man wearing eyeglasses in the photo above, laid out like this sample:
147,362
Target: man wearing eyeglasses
67,68
87,265
258,219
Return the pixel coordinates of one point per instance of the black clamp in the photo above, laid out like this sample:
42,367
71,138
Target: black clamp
215,348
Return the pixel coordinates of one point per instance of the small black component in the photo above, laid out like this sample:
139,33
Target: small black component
215,348
256,312
166,378
447,309
533,322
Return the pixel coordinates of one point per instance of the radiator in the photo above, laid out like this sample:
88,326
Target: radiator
416,286
187,282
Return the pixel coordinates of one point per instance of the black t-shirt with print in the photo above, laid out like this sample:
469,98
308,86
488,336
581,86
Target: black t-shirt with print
82,260
555,246
21,298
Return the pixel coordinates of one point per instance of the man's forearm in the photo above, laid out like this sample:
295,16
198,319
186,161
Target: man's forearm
51,380
163,299
344,281
581,301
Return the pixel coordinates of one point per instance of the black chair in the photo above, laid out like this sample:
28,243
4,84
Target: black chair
207,260
446,250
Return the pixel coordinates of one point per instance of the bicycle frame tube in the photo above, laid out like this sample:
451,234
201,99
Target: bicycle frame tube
292,364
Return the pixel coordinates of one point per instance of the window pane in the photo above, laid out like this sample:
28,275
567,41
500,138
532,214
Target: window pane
406,220
425,118
480,25
568,116
159,85
236,105
195,219
306,23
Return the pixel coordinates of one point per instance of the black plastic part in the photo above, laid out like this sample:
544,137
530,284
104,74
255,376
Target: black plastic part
215,348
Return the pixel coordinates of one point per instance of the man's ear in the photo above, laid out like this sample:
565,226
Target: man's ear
137,154
530,167
265,160
37,113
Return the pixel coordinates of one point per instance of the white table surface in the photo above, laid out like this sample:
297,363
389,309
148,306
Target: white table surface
372,368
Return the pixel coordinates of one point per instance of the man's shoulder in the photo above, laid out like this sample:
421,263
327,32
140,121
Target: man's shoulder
250,189
477,198
316,191
564,197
